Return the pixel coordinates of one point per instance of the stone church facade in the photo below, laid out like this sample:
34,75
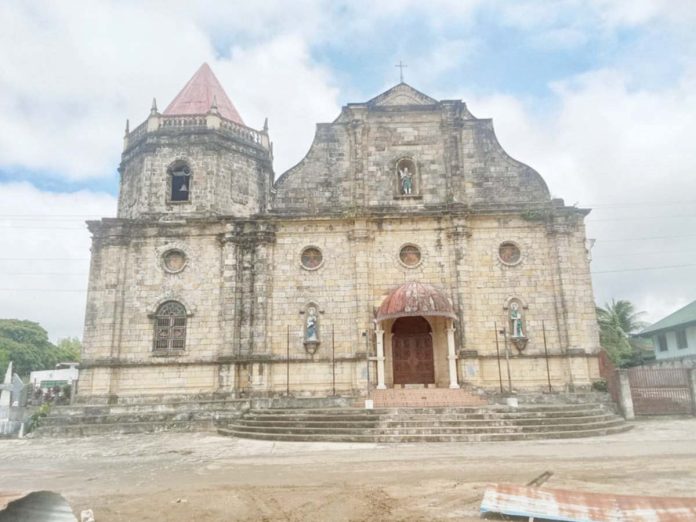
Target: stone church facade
406,249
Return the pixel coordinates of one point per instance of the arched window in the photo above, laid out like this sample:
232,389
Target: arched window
179,181
170,327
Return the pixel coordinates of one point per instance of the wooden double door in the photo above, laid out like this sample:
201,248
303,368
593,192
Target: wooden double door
412,351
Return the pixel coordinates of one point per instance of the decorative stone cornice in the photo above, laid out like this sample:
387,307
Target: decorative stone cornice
159,123
249,233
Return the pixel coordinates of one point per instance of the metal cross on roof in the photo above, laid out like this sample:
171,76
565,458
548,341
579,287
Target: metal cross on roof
401,69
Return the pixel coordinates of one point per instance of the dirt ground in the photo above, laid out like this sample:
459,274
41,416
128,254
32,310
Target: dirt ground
205,477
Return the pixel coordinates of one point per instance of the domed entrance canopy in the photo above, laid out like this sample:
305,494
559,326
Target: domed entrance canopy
415,299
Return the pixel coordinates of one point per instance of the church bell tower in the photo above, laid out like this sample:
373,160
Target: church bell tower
195,159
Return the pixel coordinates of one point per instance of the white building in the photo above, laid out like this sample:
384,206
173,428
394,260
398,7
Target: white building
64,373
674,337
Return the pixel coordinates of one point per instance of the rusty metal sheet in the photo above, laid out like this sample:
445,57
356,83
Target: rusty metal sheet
415,299
578,506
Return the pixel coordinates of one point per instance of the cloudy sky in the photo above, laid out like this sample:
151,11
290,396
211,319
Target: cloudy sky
599,96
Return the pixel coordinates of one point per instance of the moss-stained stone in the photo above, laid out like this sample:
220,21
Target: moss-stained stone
246,292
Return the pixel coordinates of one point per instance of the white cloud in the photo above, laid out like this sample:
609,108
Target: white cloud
277,79
80,72
44,255
630,153
72,75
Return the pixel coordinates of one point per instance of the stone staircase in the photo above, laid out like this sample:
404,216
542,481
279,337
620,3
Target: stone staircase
445,424
152,414
84,420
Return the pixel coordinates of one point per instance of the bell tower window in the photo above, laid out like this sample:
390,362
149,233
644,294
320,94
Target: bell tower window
179,181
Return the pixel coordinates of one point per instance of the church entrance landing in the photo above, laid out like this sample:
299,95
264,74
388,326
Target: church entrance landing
412,351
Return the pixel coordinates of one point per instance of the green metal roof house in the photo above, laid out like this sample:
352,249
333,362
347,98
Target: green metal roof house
674,337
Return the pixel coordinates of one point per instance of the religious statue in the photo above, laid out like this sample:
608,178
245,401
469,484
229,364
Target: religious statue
516,320
311,330
406,178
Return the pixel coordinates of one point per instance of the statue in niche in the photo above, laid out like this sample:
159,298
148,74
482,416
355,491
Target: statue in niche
311,325
516,329
406,179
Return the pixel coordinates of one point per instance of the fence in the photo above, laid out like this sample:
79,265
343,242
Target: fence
609,373
651,391
661,391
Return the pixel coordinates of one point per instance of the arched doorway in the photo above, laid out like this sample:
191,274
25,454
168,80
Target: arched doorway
412,351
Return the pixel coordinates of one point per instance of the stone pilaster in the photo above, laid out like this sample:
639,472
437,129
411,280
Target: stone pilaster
458,235
228,293
263,285
252,284
451,356
379,340
105,302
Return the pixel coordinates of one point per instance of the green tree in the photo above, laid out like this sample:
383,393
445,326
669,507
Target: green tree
618,322
26,344
68,349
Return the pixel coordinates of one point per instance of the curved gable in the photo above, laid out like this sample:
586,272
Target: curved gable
454,158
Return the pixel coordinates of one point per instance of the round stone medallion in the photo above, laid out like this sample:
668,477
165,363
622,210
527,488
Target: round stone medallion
174,261
509,253
311,258
410,256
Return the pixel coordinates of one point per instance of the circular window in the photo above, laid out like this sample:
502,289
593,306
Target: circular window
410,255
311,258
174,261
509,253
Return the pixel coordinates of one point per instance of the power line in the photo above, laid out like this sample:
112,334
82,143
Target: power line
596,254
45,228
643,238
77,290
641,269
49,216
638,203
44,258
82,274
640,218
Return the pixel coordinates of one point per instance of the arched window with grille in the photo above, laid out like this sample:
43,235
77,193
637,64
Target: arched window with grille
170,327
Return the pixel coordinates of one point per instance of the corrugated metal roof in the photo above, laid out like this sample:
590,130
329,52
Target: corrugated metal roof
684,315
578,506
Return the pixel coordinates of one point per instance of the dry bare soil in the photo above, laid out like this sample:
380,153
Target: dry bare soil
204,477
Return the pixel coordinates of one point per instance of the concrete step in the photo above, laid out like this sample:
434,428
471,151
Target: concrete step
501,421
83,430
415,421
141,417
480,437
206,405
427,415
401,430
536,409
310,423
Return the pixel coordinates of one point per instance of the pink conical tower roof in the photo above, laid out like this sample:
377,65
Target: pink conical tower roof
198,94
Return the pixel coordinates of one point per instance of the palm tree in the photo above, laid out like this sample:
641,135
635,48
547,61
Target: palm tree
618,322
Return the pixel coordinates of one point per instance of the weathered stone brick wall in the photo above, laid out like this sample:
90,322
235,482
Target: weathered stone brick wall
458,161
227,177
320,181
129,282
247,293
